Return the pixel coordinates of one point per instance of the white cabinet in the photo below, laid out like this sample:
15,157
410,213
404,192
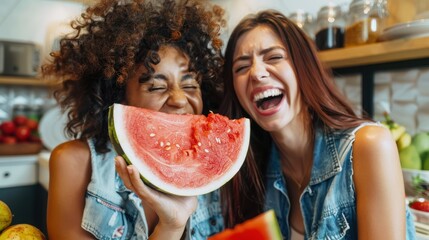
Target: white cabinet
18,170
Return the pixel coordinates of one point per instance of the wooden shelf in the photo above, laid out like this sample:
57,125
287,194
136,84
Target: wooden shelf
382,52
24,81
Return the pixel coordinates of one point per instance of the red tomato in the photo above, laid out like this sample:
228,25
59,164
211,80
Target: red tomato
35,139
8,128
420,205
32,124
22,133
9,140
20,120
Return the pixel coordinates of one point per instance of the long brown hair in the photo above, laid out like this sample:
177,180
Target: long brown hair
327,106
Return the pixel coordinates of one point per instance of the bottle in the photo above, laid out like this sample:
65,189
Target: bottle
304,21
330,28
364,22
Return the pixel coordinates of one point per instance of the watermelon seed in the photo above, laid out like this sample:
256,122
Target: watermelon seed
218,140
177,145
199,144
152,135
229,130
167,143
161,144
206,150
168,148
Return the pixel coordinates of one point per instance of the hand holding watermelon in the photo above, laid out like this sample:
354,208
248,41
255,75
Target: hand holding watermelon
179,154
173,211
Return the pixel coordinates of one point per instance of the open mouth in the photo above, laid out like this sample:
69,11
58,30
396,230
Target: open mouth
268,99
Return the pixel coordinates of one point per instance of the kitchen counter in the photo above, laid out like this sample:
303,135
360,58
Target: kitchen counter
43,160
18,170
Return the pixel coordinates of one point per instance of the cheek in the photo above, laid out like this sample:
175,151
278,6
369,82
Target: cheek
196,101
240,90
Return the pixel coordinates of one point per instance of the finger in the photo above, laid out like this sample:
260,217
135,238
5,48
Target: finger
140,188
121,168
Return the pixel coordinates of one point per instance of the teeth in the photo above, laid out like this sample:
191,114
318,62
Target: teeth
267,93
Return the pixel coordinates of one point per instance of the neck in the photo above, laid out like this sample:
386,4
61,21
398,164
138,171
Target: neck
295,144
295,141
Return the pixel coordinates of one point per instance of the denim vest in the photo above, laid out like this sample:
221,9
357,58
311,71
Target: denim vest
111,210
328,203
114,212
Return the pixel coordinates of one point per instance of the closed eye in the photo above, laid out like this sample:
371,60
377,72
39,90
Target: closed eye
275,57
156,88
240,68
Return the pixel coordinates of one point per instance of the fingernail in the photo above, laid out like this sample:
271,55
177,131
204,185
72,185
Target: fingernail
130,170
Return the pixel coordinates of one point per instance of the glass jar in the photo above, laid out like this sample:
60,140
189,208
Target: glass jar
365,22
304,21
330,28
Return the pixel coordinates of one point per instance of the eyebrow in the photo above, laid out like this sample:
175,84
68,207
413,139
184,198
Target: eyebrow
262,52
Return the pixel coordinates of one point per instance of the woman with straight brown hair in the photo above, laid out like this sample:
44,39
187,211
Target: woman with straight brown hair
327,173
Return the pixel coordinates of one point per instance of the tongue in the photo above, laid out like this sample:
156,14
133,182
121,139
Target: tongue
270,103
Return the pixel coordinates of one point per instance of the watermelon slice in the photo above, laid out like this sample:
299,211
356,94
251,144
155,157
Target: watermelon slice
261,227
185,155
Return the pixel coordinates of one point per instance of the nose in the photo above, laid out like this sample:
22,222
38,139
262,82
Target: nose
259,71
177,98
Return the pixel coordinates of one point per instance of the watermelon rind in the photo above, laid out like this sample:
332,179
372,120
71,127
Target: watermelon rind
274,228
262,227
123,148
117,146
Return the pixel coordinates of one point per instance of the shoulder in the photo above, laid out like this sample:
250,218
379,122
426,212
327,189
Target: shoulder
373,138
374,148
70,156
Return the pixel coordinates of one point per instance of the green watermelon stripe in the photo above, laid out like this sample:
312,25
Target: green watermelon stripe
117,146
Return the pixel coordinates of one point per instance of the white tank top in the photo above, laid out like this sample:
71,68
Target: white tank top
295,235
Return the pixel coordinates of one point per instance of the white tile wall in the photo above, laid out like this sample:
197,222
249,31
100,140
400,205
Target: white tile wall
405,94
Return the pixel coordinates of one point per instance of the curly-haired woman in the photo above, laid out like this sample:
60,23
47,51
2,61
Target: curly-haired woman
160,55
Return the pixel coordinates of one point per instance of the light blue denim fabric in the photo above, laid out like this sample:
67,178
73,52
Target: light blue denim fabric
111,210
207,219
114,212
328,203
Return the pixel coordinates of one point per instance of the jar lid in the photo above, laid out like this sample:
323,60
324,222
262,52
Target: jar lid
300,16
365,5
329,11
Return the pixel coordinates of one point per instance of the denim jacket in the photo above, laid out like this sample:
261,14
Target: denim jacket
328,203
114,212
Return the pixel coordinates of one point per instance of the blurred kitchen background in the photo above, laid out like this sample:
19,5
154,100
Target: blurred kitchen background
378,49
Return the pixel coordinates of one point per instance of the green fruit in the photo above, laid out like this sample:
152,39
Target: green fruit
410,158
396,131
425,160
403,141
421,142
5,215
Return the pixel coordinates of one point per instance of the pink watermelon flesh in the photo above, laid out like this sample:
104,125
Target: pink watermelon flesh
180,154
261,227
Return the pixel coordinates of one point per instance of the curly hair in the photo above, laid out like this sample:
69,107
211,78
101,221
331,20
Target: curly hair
112,37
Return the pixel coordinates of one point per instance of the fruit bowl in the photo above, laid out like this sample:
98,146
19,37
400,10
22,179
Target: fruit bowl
416,182
20,149
419,215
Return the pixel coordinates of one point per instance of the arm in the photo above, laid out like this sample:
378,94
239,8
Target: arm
70,172
172,211
379,185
